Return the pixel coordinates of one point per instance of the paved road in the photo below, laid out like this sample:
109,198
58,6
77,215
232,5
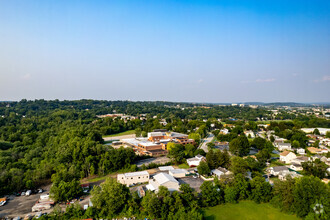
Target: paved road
205,141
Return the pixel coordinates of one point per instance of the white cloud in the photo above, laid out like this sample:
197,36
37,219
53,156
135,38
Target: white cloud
260,81
323,79
200,81
265,80
26,76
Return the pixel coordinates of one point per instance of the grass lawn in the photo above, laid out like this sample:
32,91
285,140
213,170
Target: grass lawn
246,210
96,179
183,166
120,134
276,163
268,122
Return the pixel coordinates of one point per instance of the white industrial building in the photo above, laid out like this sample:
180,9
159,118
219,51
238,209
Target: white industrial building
165,168
163,179
129,179
178,173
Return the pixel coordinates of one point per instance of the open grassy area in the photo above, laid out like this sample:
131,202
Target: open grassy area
246,210
183,166
275,163
96,179
120,134
268,121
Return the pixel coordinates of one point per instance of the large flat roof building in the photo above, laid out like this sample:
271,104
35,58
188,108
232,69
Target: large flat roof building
163,179
129,179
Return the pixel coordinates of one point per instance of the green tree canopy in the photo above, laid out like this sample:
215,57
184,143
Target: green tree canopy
110,198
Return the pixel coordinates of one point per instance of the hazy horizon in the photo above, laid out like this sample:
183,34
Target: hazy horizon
180,51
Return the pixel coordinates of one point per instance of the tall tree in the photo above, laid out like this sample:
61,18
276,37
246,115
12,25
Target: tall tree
110,198
203,168
261,191
240,146
308,192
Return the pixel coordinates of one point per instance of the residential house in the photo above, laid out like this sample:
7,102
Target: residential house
279,140
325,180
301,151
326,160
224,131
293,174
296,167
283,146
300,159
163,179
275,171
287,156
220,171
249,134
194,162
321,158
315,150
129,179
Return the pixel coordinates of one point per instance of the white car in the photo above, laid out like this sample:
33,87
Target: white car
29,192
38,215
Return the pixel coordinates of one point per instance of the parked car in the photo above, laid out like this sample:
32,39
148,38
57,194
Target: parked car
23,194
40,190
28,217
28,193
38,215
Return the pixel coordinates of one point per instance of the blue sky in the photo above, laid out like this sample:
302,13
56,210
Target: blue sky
201,51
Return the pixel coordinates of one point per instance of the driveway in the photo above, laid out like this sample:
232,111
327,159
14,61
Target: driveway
205,141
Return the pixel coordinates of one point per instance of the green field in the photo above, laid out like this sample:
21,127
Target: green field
183,166
268,121
246,210
120,134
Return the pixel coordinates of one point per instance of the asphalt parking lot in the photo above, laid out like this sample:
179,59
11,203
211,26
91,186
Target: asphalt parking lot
20,205
194,183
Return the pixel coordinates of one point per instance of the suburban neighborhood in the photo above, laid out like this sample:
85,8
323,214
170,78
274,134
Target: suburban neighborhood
165,110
